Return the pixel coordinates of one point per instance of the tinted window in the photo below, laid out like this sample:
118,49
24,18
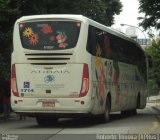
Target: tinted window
49,35
98,38
91,43
113,47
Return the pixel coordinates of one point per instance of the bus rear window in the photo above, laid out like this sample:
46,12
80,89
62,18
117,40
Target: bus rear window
49,35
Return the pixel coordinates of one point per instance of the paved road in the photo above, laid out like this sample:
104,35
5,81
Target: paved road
146,122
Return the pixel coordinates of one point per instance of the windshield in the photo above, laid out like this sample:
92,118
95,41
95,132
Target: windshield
49,35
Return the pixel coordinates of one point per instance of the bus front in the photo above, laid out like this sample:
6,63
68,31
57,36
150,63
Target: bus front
50,71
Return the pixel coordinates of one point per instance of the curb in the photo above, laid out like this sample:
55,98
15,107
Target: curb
154,101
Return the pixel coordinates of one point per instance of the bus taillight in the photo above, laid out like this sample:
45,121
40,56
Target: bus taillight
85,81
14,82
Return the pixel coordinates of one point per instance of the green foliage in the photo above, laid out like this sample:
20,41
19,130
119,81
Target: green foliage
154,51
102,11
152,88
151,9
8,14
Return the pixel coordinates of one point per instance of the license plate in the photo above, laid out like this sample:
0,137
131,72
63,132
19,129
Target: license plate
48,104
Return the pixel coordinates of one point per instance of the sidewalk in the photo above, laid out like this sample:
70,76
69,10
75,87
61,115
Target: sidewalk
154,102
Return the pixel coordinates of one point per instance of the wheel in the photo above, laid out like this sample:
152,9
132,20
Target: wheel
105,117
133,112
138,101
46,121
124,113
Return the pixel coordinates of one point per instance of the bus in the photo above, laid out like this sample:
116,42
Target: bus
70,66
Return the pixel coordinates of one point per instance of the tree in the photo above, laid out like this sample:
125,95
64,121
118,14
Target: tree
8,14
102,11
154,51
151,9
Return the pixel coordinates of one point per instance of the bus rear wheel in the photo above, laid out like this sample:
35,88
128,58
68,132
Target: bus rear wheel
46,121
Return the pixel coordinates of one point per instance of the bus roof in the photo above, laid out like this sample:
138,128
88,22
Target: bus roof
83,19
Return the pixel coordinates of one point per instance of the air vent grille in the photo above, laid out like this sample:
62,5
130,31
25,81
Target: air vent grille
48,58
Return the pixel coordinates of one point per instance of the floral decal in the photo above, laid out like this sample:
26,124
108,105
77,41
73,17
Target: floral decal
106,47
114,75
100,75
98,54
101,84
47,29
34,39
106,72
52,38
61,39
115,80
27,32
49,35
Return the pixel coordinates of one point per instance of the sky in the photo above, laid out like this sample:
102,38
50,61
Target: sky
129,13
129,16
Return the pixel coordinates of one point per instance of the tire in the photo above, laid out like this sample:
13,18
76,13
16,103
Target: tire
138,101
46,121
105,117
133,112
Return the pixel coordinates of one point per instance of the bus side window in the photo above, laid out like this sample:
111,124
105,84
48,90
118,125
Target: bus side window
127,52
106,46
91,43
141,63
116,48
99,41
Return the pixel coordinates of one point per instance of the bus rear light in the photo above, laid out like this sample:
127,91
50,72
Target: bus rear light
85,81
14,82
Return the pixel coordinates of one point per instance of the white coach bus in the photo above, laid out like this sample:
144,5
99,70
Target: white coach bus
70,65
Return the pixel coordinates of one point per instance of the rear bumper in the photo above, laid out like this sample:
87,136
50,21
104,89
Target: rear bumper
63,106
